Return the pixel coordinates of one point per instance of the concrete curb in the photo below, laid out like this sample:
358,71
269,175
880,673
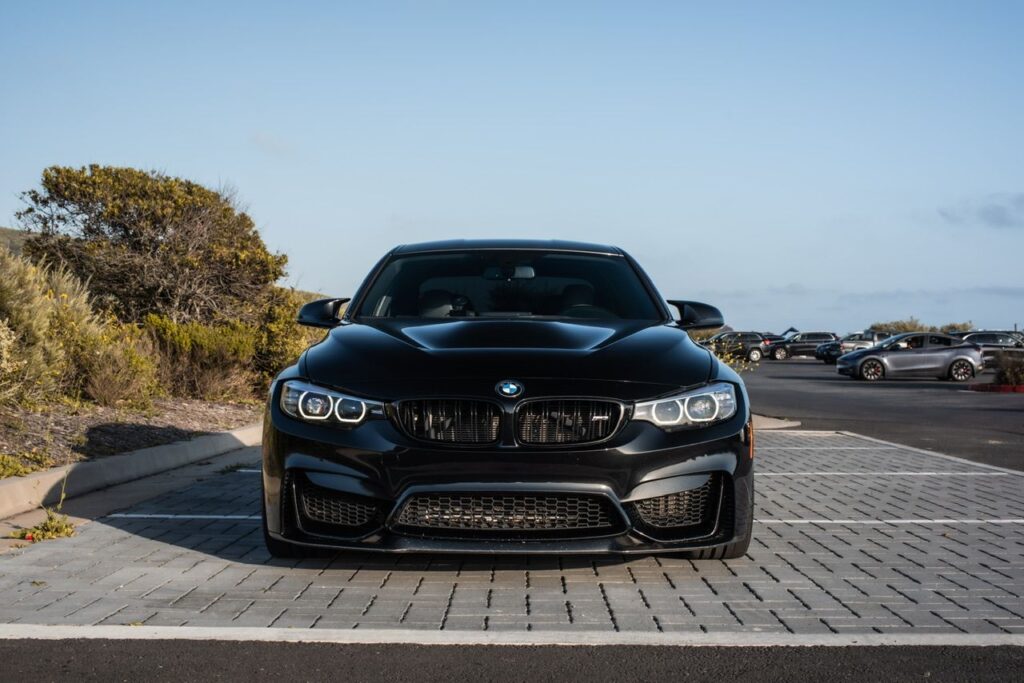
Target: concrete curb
765,422
21,494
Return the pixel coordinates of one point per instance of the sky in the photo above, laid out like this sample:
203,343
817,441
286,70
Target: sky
816,165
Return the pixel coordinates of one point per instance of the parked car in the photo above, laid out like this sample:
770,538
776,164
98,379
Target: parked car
994,343
828,352
915,354
457,406
749,345
799,344
863,340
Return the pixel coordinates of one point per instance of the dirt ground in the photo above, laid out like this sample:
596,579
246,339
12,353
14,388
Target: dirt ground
64,434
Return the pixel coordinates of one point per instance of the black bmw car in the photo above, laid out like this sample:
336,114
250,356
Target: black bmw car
508,396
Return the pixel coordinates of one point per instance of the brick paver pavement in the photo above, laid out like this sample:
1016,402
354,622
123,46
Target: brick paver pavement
853,536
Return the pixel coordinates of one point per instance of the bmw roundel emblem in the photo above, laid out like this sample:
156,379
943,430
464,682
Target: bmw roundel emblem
509,388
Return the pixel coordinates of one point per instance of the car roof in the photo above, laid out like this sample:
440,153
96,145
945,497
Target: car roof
932,334
508,244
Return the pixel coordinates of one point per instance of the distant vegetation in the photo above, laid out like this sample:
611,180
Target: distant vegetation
181,297
914,325
1010,369
13,239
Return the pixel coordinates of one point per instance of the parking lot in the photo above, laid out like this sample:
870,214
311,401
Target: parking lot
925,413
853,536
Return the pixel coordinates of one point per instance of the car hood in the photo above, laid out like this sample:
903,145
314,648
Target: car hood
394,358
857,355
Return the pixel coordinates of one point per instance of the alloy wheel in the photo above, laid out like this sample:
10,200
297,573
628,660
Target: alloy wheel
780,354
961,371
754,355
871,370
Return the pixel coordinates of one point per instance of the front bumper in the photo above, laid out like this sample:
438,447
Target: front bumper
377,466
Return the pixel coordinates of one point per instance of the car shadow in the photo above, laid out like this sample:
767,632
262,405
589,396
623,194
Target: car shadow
113,438
241,542
216,514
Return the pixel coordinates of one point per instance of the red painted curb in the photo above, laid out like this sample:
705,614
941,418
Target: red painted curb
998,388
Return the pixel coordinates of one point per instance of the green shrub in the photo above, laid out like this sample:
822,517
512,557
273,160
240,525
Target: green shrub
281,338
23,464
75,327
204,361
28,307
150,243
54,346
123,368
10,364
1010,369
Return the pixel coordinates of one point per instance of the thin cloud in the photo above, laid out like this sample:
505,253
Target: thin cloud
1001,211
271,144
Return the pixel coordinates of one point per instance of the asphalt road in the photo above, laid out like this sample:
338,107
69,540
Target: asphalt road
106,660
928,414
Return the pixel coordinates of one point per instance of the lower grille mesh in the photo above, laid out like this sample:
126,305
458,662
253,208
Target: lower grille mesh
508,512
683,509
330,507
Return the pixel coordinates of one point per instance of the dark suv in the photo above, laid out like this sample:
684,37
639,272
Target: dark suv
749,345
799,344
994,343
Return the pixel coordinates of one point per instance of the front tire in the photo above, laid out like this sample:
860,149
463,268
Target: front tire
961,371
780,354
754,356
872,370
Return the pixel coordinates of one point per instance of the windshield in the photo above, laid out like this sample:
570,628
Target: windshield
509,284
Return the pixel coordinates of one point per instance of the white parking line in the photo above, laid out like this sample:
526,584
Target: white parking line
828,448
890,444
838,474
141,515
881,474
457,637
767,520
889,521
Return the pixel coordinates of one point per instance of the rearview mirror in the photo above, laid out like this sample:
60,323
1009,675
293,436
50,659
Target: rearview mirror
694,315
509,272
321,313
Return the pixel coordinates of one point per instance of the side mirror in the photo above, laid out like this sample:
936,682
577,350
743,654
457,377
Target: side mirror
321,313
694,315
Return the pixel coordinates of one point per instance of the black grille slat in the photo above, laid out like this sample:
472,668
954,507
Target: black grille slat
507,512
684,509
450,420
566,421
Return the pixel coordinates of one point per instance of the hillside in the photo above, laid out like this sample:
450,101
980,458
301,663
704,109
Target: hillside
12,239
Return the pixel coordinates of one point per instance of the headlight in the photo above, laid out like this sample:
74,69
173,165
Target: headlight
696,408
310,403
